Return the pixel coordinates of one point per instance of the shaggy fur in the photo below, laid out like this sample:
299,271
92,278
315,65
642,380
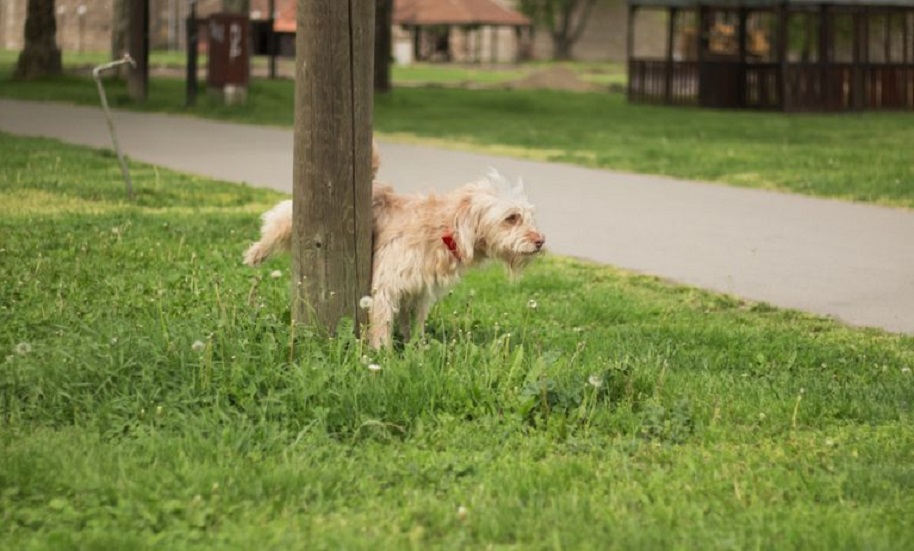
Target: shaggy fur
423,244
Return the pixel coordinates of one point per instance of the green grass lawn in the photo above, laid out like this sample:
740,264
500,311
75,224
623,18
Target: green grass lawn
861,157
417,74
153,395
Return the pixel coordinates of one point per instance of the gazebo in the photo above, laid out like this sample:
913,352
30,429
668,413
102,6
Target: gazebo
431,23
788,55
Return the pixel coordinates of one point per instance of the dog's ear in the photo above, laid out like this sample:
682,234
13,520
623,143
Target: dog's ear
503,185
466,225
519,187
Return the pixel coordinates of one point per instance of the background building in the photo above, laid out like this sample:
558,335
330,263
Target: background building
86,25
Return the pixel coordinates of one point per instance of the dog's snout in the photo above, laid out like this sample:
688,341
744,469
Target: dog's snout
539,241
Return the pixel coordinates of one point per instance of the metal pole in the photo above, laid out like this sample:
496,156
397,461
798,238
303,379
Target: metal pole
96,74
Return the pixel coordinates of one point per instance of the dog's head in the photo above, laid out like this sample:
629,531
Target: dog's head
495,220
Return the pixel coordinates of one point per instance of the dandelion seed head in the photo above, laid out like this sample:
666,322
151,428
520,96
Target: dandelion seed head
23,348
276,274
462,512
374,367
366,302
531,304
198,346
595,381
906,370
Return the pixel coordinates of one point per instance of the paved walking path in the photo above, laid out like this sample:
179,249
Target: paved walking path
851,261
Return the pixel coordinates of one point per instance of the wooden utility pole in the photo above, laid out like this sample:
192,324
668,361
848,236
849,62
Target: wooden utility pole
331,236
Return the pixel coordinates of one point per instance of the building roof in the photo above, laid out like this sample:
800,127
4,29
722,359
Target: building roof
422,13
284,11
285,16
767,3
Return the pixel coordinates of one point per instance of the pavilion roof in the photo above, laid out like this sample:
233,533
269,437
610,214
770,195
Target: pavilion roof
422,13
768,3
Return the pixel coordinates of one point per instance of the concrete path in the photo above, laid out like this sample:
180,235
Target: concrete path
854,262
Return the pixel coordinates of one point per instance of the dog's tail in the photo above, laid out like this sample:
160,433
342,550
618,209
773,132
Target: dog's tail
275,234
375,159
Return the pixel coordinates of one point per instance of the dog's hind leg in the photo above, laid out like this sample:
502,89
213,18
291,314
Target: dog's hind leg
275,234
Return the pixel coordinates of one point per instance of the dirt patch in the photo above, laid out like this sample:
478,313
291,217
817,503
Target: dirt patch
556,77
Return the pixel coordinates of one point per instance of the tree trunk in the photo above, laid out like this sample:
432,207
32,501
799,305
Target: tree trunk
40,56
120,21
236,6
138,38
561,47
382,46
565,19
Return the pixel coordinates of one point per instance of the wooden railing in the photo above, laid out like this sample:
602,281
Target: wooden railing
656,81
801,87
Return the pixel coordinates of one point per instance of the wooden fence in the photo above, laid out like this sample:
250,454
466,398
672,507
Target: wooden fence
791,87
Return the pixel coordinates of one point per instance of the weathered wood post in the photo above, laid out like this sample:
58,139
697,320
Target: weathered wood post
331,236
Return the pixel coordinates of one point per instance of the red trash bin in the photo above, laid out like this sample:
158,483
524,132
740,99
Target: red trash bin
228,67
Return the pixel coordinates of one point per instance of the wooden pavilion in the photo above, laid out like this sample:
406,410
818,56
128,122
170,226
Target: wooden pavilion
432,22
788,55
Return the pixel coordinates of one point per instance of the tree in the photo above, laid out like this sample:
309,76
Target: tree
120,21
382,45
236,6
565,20
40,56
138,43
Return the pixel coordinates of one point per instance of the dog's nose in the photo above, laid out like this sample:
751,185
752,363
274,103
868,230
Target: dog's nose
540,241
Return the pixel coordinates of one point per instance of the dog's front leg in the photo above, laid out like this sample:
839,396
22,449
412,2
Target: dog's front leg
380,320
422,307
404,320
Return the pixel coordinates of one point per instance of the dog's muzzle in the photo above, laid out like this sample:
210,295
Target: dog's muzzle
537,240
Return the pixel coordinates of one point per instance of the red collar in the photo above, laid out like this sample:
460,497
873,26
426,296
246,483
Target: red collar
451,245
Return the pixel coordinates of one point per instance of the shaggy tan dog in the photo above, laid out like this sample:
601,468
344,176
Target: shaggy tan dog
423,244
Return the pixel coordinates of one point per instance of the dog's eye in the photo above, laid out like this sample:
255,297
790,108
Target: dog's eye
512,219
